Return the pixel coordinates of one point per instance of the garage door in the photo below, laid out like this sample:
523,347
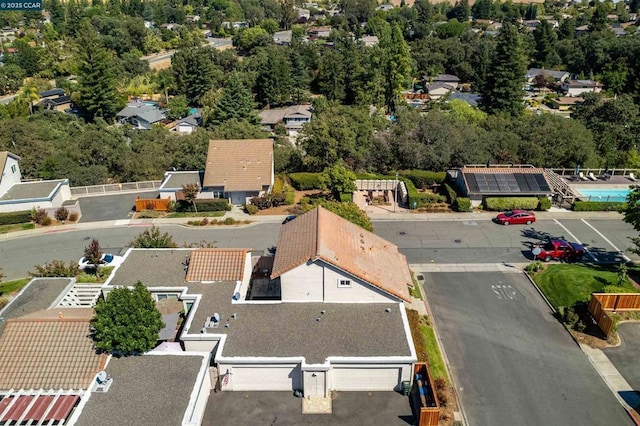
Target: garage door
361,379
267,378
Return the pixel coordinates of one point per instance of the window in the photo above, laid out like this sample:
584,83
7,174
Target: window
14,168
344,283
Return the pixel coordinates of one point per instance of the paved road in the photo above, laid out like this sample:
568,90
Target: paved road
513,363
110,207
421,241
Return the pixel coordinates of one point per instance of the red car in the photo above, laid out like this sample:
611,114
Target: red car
558,250
519,217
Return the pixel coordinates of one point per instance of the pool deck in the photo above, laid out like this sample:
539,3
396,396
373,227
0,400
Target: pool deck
614,182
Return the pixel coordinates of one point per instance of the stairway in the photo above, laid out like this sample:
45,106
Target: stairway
559,186
81,296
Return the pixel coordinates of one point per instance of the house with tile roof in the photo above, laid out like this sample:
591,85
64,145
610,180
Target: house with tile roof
16,195
238,169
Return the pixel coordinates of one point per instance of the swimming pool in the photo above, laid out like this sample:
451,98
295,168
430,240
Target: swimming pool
614,195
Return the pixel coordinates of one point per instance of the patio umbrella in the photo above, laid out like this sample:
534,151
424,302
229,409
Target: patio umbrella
577,172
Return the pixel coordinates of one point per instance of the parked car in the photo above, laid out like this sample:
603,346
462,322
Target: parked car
558,250
106,260
519,217
289,218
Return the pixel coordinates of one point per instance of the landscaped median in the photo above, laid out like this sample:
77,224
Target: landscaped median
568,288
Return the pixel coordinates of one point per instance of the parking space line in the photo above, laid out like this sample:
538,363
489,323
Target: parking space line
595,259
624,256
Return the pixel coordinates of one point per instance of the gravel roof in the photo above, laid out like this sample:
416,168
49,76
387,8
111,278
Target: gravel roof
28,190
37,295
346,330
146,390
177,179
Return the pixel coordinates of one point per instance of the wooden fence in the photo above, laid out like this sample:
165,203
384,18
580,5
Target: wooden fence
602,305
158,204
424,397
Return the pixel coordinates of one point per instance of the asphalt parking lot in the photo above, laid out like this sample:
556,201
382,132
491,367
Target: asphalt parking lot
110,207
282,408
625,357
512,361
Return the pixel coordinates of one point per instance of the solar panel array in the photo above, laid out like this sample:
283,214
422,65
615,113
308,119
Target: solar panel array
507,183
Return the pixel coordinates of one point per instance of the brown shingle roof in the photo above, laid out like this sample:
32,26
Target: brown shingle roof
239,164
49,352
211,264
321,234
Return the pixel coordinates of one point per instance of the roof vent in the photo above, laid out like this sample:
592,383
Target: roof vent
387,310
322,312
318,319
236,295
227,325
234,315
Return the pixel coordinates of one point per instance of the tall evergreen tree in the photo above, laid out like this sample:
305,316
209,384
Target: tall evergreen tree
545,37
193,72
331,75
599,18
503,87
273,85
96,75
235,102
299,76
398,66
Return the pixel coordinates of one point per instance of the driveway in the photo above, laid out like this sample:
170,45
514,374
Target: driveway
111,207
282,408
625,357
512,362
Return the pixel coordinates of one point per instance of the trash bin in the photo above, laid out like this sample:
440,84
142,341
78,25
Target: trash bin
406,387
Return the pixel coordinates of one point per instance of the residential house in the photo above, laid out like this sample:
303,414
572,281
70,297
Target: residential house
16,195
54,100
303,15
385,7
439,90
531,24
192,19
236,25
318,32
141,115
238,169
274,327
293,118
579,87
449,79
187,125
565,103
171,186
369,40
557,76
171,27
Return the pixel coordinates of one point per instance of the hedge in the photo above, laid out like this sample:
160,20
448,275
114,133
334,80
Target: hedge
278,185
304,181
12,218
544,204
211,205
450,193
417,199
289,195
510,203
594,206
463,204
423,178
346,197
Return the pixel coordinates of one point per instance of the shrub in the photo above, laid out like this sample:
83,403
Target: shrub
418,199
39,215
544,204
304,181
251,209
510,203
73,216
87,278
56,268
463,204
450,193
289,195
570,317
171,206
62,214
268,201
3,302
346,198
534,267
278,185
351,212
194,222
46,221
579,326
213,205
423,178
229,221
594,206
204,222
12,218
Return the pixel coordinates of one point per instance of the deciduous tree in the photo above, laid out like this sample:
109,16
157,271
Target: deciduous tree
152,238
190,192
127,322
632,215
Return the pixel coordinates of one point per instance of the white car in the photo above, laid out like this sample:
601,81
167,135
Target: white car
106,260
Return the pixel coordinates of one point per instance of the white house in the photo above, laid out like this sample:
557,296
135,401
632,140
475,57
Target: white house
579,87
293,118
557,76
16,195
332,317
439,90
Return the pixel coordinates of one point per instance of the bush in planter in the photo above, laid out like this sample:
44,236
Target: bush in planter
463,204
251,209
423,178
594,206
304,181
289,195
62,214
268,201
510,203
450,193
73,216
544,204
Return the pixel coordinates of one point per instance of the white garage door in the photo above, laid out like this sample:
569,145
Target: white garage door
266,378
362,379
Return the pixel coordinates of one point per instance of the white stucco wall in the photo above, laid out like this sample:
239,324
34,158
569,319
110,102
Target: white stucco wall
318,282
303,284
9,177
200,345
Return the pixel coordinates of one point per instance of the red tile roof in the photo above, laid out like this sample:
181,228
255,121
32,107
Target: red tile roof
239,165
321,234
49,353
212,264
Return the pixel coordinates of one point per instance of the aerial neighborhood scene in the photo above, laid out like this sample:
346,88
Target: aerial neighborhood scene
280,212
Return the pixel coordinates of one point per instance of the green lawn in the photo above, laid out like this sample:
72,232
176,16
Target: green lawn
16,227
195,214
415,291
566,285
13,286
436,364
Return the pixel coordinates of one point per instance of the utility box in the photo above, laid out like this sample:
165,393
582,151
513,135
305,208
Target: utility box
406,387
